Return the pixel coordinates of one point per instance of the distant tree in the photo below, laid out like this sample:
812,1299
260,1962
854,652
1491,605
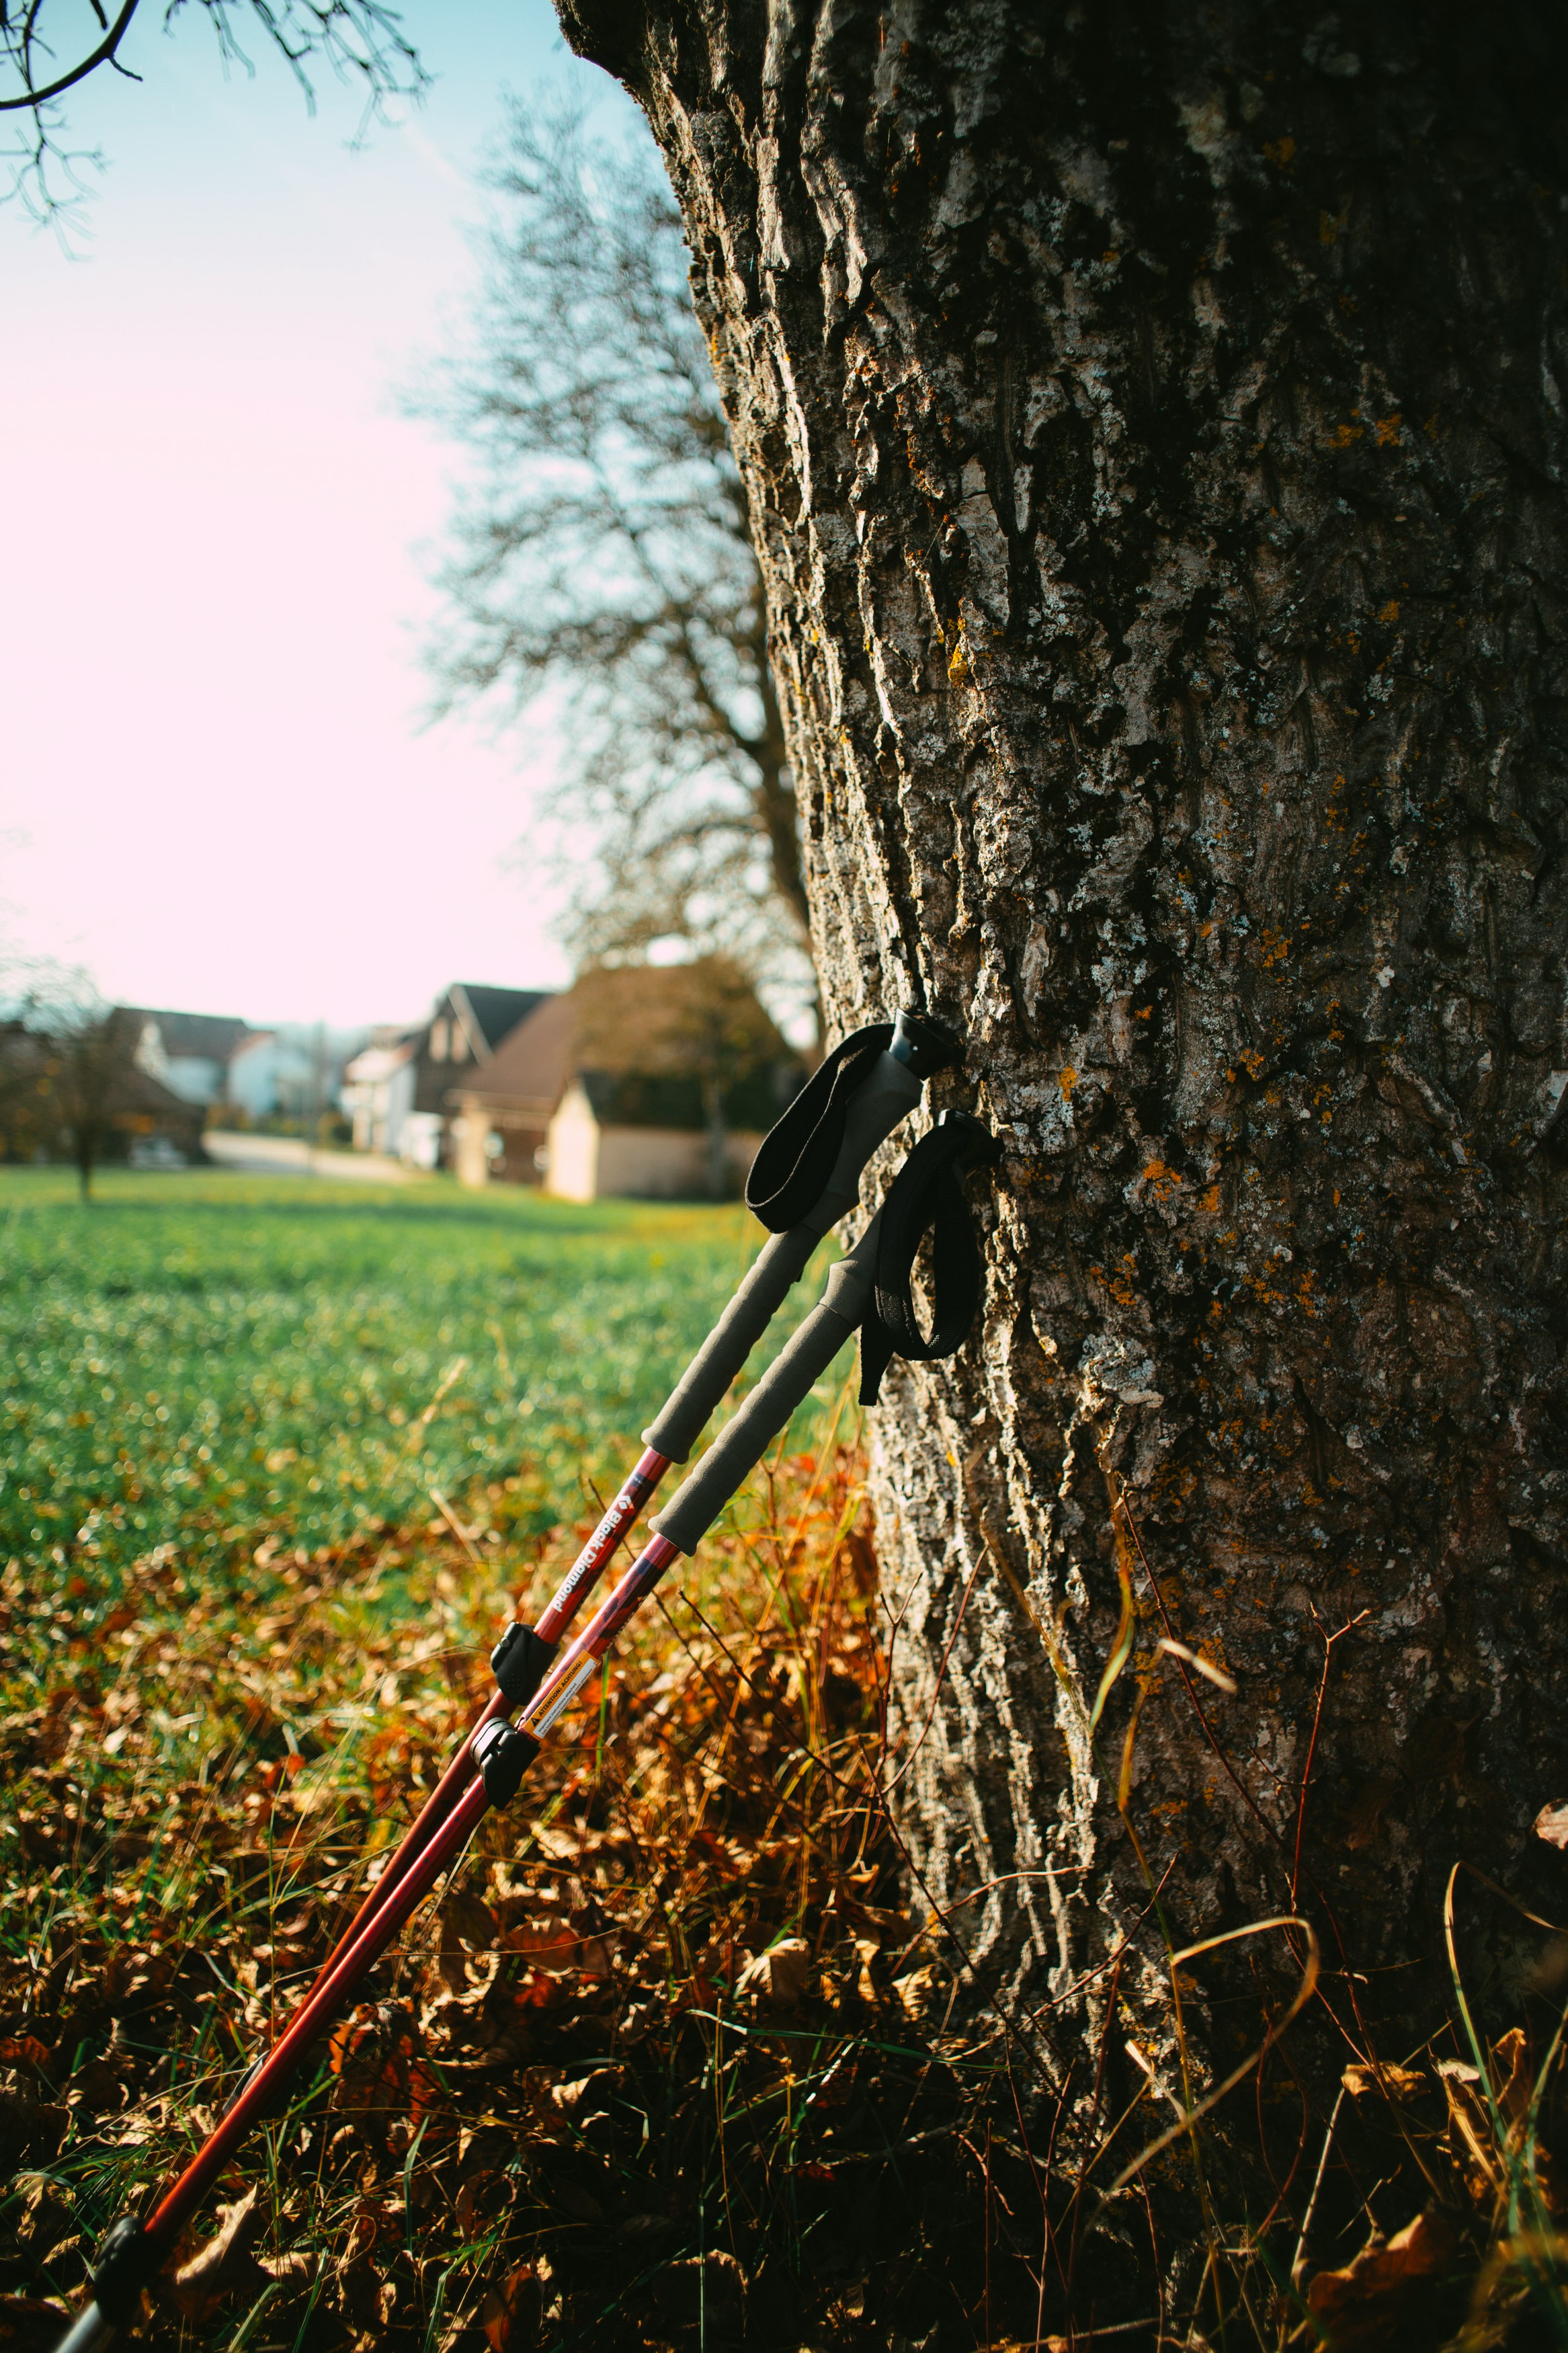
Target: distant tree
88,1054
28,1123
604,550
70,1079
48,49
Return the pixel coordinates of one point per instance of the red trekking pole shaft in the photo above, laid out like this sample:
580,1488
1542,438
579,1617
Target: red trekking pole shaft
132,2251
569,1595
332,1993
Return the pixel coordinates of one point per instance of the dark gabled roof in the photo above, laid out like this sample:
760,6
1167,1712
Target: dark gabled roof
531,1066
210,1037
494,1012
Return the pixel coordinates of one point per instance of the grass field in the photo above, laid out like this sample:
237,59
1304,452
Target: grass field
202,1360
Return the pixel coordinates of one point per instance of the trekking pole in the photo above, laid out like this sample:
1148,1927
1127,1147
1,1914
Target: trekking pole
805,1177
836,1132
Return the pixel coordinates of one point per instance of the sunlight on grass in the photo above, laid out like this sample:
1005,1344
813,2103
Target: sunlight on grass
204,1360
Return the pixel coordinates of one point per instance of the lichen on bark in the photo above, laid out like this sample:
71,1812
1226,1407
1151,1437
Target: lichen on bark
1153,423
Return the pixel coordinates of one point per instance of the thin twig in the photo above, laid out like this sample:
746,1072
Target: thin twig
1298,2260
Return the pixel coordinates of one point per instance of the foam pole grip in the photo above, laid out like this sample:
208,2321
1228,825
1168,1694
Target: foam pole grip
787,1383
889,1094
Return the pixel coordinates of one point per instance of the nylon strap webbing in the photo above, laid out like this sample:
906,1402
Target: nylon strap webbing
796,1157
926,1198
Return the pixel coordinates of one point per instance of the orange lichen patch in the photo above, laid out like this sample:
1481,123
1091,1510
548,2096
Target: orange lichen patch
1211,1199
1118,1285
1162,1181
1066,1080
1205,930
1252,1061
958,664
1276,949
1280,151
1389,429
1390,612
1345,435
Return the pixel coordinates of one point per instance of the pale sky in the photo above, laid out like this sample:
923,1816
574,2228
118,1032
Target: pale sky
215,791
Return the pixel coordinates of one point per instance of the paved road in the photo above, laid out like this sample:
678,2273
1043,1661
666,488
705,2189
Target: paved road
290,1156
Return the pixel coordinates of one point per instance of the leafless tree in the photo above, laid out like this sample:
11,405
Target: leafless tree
70,1075
48,49
604,549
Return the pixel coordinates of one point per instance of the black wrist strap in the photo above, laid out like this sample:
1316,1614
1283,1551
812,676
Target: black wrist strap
796,1157
927,1198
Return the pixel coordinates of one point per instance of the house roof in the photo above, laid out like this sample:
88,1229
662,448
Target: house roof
491,1014
378,1063
208,1036
572,1035
531,1066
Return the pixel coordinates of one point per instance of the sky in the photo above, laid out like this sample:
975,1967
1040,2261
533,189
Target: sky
217,788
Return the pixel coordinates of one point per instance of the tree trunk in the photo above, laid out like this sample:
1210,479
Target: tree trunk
1154,423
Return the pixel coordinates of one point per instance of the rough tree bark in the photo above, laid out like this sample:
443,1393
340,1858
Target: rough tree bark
1153,423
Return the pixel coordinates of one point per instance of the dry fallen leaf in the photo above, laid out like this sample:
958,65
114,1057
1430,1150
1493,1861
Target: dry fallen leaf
779,1976
1389,2083
30,2324
586,2092
1552,1824
1358,2306
226,2262
509,2315
922,1995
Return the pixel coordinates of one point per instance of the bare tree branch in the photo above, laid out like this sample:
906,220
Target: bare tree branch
360,40
604,551
102,55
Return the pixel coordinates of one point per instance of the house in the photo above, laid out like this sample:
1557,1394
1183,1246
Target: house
378,1088
189,1053
652,1083
501,1123
396,1090
610,1138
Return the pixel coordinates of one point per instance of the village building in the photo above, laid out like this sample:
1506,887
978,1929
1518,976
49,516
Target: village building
189,1053
395,1089
671,1123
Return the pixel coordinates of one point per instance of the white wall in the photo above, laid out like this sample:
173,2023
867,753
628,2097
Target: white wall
590,1162
572,1147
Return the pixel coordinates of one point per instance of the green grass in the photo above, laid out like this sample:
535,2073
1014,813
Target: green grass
201,1361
